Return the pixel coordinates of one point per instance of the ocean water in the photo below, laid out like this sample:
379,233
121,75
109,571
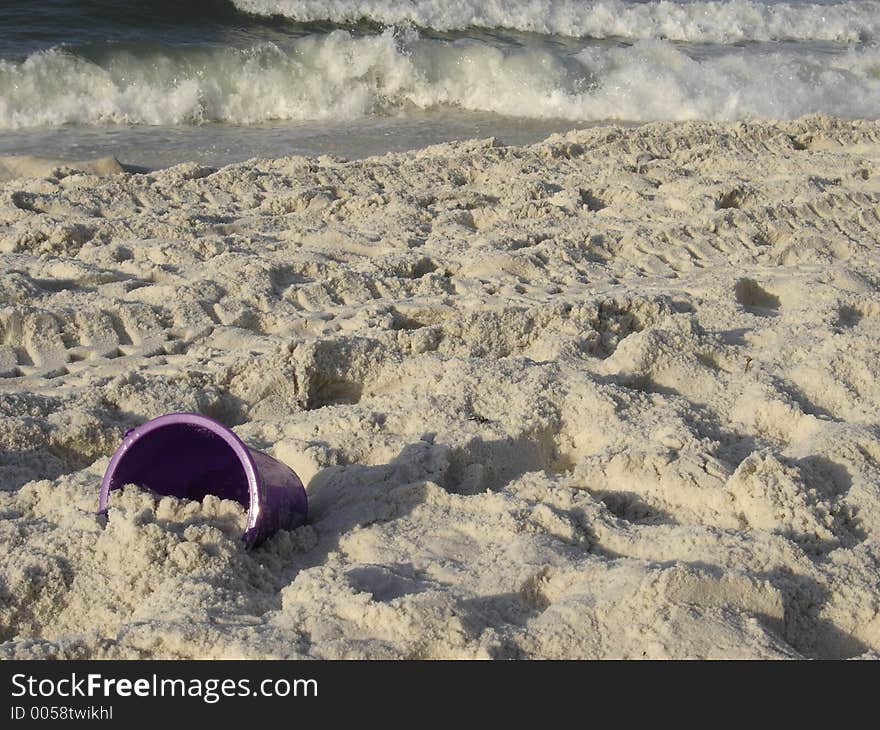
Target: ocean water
163,81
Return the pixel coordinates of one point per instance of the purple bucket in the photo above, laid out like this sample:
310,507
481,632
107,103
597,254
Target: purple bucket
189,456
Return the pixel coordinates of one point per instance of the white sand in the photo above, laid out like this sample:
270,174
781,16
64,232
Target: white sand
612,395
17,166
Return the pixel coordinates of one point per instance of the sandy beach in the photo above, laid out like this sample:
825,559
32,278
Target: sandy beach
612,395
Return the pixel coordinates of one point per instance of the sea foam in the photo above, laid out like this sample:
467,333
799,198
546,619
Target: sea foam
699,21
343,76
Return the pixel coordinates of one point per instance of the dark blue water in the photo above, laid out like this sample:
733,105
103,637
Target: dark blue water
31,25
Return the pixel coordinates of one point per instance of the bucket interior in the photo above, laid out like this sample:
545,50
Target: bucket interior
183,460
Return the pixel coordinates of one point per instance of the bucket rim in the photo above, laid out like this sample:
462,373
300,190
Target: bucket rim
242,452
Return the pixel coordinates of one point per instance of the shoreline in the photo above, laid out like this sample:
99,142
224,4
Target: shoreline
151,148
613,394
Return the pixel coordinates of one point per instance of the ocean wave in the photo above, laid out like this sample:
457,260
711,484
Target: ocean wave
695,21
341,76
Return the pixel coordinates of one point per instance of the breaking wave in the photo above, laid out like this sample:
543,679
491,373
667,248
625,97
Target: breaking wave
694,21
339,75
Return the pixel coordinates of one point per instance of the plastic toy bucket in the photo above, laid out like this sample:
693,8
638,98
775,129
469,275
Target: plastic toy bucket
188,455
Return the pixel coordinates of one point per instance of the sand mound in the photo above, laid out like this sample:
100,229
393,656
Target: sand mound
611,395
15,166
